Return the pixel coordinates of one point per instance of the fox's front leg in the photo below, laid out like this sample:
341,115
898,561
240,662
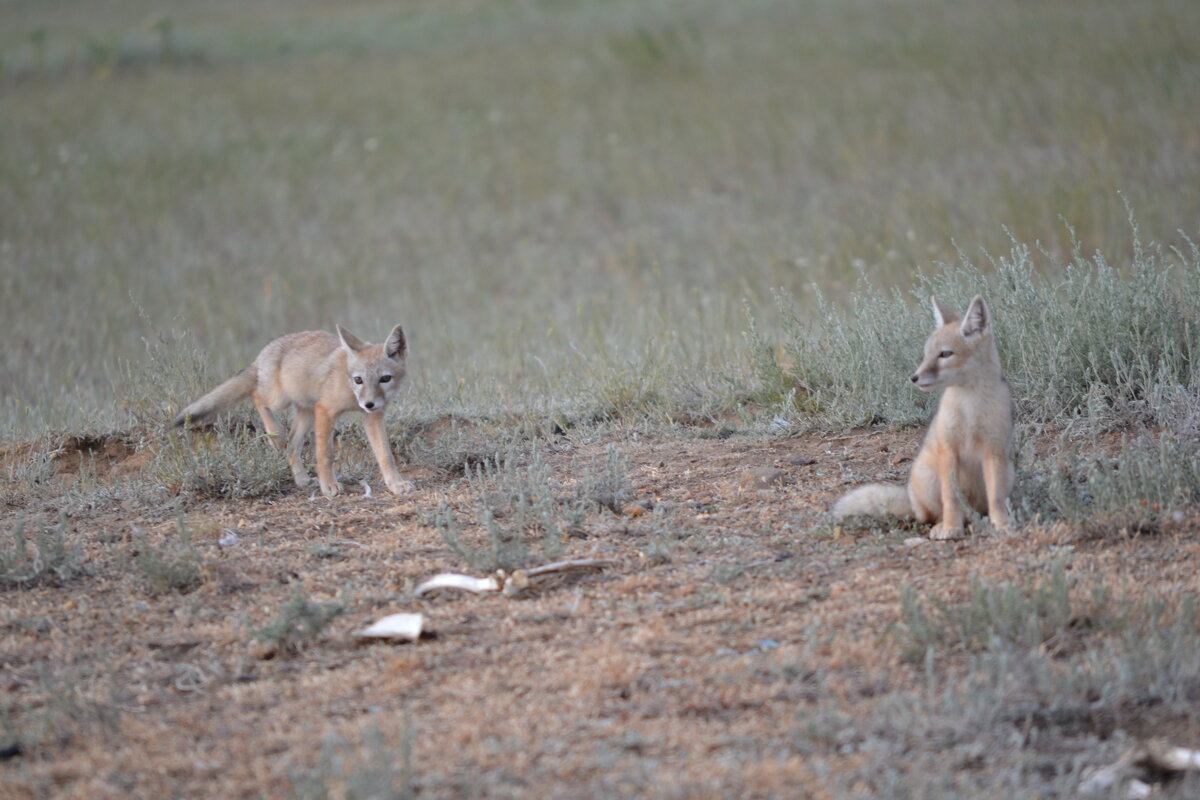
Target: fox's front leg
951,526
324,446
998,478
377,436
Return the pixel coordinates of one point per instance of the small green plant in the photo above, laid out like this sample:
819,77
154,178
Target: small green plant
37,40
1133,490
56,556
374,772
171,371
27,478
63,703
175,567
228,460
238,463
607,486
662,537
1044,667
648,51
521,517
299,622
1006,616
101,53
164,27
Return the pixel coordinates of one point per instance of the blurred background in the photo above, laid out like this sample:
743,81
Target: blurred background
571,205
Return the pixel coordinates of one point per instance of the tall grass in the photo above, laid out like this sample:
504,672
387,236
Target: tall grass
1083,342
566,204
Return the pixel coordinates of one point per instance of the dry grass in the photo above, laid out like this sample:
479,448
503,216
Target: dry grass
762,655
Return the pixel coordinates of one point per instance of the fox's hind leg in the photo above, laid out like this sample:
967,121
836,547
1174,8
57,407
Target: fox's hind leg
302,423
924,493
998,475
270,423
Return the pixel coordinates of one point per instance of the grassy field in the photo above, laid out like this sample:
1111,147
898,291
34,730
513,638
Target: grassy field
566,203
641,249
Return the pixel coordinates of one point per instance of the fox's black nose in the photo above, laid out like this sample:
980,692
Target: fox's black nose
372,403
913,379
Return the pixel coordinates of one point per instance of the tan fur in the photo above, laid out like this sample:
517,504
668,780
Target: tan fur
968,448
323,376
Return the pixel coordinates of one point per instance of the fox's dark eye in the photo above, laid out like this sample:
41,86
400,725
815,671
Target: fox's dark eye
384,378
358,380
945,354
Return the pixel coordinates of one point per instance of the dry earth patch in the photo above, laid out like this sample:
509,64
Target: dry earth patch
729,649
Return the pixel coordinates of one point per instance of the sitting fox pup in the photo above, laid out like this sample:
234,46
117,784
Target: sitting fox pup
967,450
323,376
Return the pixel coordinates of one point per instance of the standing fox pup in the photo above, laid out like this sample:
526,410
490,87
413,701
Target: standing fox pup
323,376
967,450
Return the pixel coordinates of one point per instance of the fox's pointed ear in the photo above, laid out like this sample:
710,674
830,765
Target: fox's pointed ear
349,341
978,319
396,345
941,314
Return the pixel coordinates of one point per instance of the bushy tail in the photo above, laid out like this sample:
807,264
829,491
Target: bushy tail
875,500
238,387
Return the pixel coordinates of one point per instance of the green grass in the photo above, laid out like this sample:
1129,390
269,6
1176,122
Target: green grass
1083,341
1056,663
566,204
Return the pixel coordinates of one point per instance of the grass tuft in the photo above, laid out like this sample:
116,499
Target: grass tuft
369,772
299,622
522,517
55,558
176,566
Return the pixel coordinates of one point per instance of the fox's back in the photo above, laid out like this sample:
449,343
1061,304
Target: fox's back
301,368
303,346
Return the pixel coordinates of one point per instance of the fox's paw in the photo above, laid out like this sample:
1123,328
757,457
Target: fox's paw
399,485
942,532
302,479
331,490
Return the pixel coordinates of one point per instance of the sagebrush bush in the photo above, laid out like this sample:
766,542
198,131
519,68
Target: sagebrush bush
175,566
299,621
1082,341
1014,674
235,463
520,511
55,556
1007,616
369,771
526,512
1135,488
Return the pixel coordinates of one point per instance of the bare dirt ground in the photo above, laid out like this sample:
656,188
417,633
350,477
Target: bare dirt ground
686,668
